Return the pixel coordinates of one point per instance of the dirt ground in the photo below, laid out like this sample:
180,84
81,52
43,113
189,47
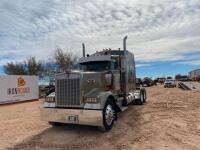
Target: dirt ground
170,120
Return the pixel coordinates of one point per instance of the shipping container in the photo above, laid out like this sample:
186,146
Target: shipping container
14,88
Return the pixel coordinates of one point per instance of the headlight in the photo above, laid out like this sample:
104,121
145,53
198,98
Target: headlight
108,81
91,100
50,99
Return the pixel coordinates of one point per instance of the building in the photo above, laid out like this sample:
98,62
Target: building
194,75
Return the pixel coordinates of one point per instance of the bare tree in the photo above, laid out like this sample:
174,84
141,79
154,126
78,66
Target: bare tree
14,69
64,60
28,67
50,68
61,61
33,67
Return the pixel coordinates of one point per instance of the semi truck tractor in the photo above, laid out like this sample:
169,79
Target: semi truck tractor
103,87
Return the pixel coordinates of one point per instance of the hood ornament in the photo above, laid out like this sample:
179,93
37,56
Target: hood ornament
68,73
91,81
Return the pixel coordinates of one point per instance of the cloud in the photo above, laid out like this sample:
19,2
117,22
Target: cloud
157,30
191,62
142,65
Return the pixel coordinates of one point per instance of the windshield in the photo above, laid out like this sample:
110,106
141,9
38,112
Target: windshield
95,66
169,80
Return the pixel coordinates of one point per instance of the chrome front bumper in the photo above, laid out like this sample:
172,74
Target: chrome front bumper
85,117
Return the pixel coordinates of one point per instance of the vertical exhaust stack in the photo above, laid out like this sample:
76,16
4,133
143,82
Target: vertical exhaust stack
124,43
83,45
123,73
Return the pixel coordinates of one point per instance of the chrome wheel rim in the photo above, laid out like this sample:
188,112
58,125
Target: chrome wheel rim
109,115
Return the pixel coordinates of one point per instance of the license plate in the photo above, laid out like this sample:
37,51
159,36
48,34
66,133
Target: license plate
72,118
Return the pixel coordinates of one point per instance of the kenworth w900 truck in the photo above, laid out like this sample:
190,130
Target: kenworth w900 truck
104,86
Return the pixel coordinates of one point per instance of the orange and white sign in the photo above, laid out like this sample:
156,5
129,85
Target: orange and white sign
21,82
18,88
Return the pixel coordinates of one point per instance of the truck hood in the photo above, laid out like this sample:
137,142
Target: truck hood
92,83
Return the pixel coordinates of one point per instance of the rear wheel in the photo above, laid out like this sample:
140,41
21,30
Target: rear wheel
108,115
140,101
144,95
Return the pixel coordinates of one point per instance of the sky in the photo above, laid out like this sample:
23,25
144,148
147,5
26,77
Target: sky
163,35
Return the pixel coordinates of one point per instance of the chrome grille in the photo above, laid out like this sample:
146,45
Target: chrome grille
68,92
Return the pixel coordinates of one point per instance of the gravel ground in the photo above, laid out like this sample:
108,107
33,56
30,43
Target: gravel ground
169,120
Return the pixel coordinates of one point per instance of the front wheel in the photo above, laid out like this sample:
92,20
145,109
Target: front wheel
55,124
108,115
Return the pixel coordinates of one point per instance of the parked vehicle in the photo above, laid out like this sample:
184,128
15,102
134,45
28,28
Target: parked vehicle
51,87
155,82
146,82
161,80
169,77
104,86
184,78
138,82
169,83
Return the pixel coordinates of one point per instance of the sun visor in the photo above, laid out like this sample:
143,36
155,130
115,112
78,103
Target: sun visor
95,58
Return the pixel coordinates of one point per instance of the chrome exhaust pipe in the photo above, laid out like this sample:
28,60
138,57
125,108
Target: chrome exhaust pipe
124,43
83,45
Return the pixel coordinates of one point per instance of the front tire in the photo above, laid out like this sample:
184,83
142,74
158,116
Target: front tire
108,115
55,124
